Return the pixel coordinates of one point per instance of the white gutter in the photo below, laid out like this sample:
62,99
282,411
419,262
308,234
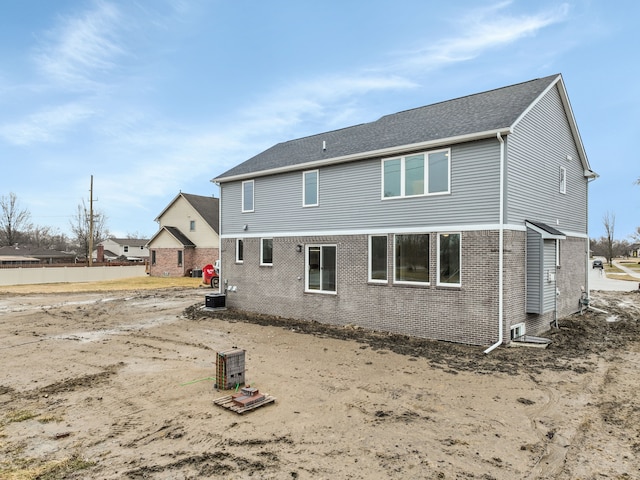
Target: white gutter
363,155
500,251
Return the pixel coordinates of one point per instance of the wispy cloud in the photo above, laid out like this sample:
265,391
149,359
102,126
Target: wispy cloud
81,48
481,30
45,126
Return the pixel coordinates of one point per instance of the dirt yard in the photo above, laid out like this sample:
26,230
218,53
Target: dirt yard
119,385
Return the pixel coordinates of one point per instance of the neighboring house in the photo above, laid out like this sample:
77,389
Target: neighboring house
463,221
36,255
133,249
188,236
634,250
18,260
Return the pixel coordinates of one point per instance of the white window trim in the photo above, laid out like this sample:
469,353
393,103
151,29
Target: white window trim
262,264
238,240
563,180
438,282
306,268
518,326
372,280
405,282
402,159
253,196
192,225
304,188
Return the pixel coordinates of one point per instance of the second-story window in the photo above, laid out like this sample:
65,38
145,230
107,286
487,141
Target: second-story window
247,196
192,225
417,174
310,184
563,180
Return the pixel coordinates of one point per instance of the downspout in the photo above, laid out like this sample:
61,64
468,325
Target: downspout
500,251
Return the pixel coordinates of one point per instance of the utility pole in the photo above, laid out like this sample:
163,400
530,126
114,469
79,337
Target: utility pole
91,223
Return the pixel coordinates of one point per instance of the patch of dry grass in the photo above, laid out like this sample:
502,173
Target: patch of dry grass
133,283
30,469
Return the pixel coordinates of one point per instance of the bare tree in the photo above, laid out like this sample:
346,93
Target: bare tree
14,220
46,237
609,222
80,228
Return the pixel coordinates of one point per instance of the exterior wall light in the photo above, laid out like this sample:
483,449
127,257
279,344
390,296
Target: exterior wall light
298,248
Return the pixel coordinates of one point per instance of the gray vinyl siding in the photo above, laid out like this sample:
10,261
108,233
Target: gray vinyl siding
541,260
534,272
350,198
536,150
549,287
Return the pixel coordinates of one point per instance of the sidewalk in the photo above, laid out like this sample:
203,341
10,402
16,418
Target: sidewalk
627,270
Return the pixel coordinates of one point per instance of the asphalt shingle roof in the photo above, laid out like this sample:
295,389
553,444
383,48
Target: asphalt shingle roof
181,237
481,112
207,207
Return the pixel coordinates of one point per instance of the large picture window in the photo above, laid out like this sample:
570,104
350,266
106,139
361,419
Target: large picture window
247,196
418,174
310,184
378,258
321,268
412,258
266,251
449,259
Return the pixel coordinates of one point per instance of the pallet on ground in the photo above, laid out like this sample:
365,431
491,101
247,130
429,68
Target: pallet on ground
228,403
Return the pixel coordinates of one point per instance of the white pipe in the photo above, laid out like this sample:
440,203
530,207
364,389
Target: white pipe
500,250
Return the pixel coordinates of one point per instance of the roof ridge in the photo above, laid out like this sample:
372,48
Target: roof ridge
468,96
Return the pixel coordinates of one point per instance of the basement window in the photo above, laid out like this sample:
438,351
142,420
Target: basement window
517,331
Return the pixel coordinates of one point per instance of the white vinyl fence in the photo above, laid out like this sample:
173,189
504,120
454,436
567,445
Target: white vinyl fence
25,276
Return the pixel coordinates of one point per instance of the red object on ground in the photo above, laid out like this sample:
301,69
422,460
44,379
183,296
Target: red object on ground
208,272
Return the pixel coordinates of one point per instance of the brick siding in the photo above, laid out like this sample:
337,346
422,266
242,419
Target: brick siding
468,314
192,258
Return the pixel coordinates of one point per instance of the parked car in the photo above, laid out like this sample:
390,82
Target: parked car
598,264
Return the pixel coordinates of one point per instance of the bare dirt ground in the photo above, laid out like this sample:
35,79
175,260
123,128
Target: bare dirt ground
118,385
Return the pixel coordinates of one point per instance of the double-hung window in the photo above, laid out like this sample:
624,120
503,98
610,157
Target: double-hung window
426,173
247,196
378,258
411,262
310,188
266,251
449,259
239,250
320,266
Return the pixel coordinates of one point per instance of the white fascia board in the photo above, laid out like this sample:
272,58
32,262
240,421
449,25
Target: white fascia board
384,152
387,230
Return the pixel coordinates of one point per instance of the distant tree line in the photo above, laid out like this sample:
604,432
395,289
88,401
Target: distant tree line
16,229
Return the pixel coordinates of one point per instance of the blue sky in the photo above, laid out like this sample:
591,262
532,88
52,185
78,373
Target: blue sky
154,97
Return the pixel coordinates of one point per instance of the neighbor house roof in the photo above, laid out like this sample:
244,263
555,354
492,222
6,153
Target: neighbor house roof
39,253
473,117
175,233
207,208
132,242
